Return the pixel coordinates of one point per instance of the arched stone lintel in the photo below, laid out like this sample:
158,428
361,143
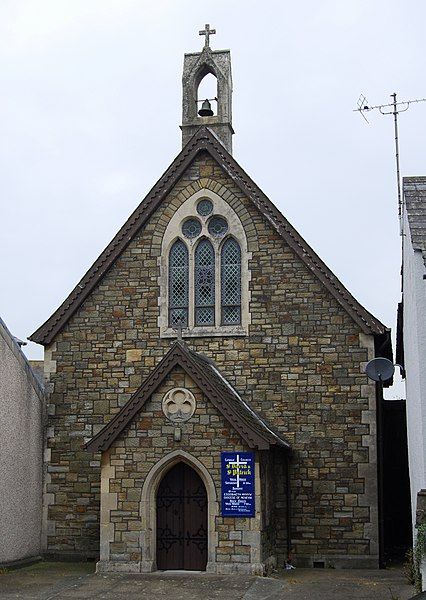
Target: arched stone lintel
180,196
148,511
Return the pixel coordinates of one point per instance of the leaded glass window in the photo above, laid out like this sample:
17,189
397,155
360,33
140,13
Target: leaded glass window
204,283
204,207
217,226
191,228
231,282
178,284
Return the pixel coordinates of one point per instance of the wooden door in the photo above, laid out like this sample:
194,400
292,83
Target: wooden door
182,520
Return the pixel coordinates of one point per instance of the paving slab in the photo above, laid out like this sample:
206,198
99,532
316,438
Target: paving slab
77,581
347,584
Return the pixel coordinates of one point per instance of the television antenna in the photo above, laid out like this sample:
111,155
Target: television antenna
393,108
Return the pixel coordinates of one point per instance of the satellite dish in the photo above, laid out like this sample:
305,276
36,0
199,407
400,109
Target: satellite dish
380,369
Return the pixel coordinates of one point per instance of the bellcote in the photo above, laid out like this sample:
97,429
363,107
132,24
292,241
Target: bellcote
195,67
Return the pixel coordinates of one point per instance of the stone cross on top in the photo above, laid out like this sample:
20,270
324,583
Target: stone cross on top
207,32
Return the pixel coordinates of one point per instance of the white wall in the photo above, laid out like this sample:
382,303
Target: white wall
21,413
414,295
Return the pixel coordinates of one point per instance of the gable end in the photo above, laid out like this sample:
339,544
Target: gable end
204,140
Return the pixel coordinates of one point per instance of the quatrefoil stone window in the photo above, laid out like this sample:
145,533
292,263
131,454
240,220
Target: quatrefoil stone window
179,405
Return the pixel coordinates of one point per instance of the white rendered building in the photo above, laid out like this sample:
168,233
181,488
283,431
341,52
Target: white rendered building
411,346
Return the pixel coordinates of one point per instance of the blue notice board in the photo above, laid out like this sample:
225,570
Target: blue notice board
238,484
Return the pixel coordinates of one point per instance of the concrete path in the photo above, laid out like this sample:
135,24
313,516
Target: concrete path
76,581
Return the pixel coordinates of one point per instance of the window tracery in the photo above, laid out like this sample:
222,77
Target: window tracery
191,228
204,207
204,270
217,226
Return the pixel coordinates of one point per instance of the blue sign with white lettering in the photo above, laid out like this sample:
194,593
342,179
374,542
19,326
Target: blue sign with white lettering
238,484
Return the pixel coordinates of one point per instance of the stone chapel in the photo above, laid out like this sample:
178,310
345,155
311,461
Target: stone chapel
207,402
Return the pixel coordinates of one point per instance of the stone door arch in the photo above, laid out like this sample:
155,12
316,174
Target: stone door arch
149,511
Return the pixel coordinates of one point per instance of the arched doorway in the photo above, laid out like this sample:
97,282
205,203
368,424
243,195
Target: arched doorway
181,520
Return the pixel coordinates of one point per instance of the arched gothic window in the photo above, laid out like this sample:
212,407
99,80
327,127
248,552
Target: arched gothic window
230,266
204,270
204,283
178,284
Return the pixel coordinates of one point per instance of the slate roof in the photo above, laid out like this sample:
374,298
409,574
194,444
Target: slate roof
204,141
414,189
252,428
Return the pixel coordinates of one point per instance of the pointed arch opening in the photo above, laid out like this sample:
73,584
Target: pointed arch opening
204,313
208,89
181,503
178,284
230,275
204,283
148,509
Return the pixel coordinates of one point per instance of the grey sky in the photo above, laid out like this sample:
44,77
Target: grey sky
91,106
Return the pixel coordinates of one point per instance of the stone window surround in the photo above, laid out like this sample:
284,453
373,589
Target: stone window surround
171,234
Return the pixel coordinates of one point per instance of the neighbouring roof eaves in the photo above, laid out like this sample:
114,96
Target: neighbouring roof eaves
252,428
204,140
15,348
414,189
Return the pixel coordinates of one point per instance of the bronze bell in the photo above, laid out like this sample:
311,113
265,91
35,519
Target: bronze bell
206,109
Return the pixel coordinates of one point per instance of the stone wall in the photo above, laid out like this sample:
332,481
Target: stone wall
301,366
234,543
282,529
271,513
